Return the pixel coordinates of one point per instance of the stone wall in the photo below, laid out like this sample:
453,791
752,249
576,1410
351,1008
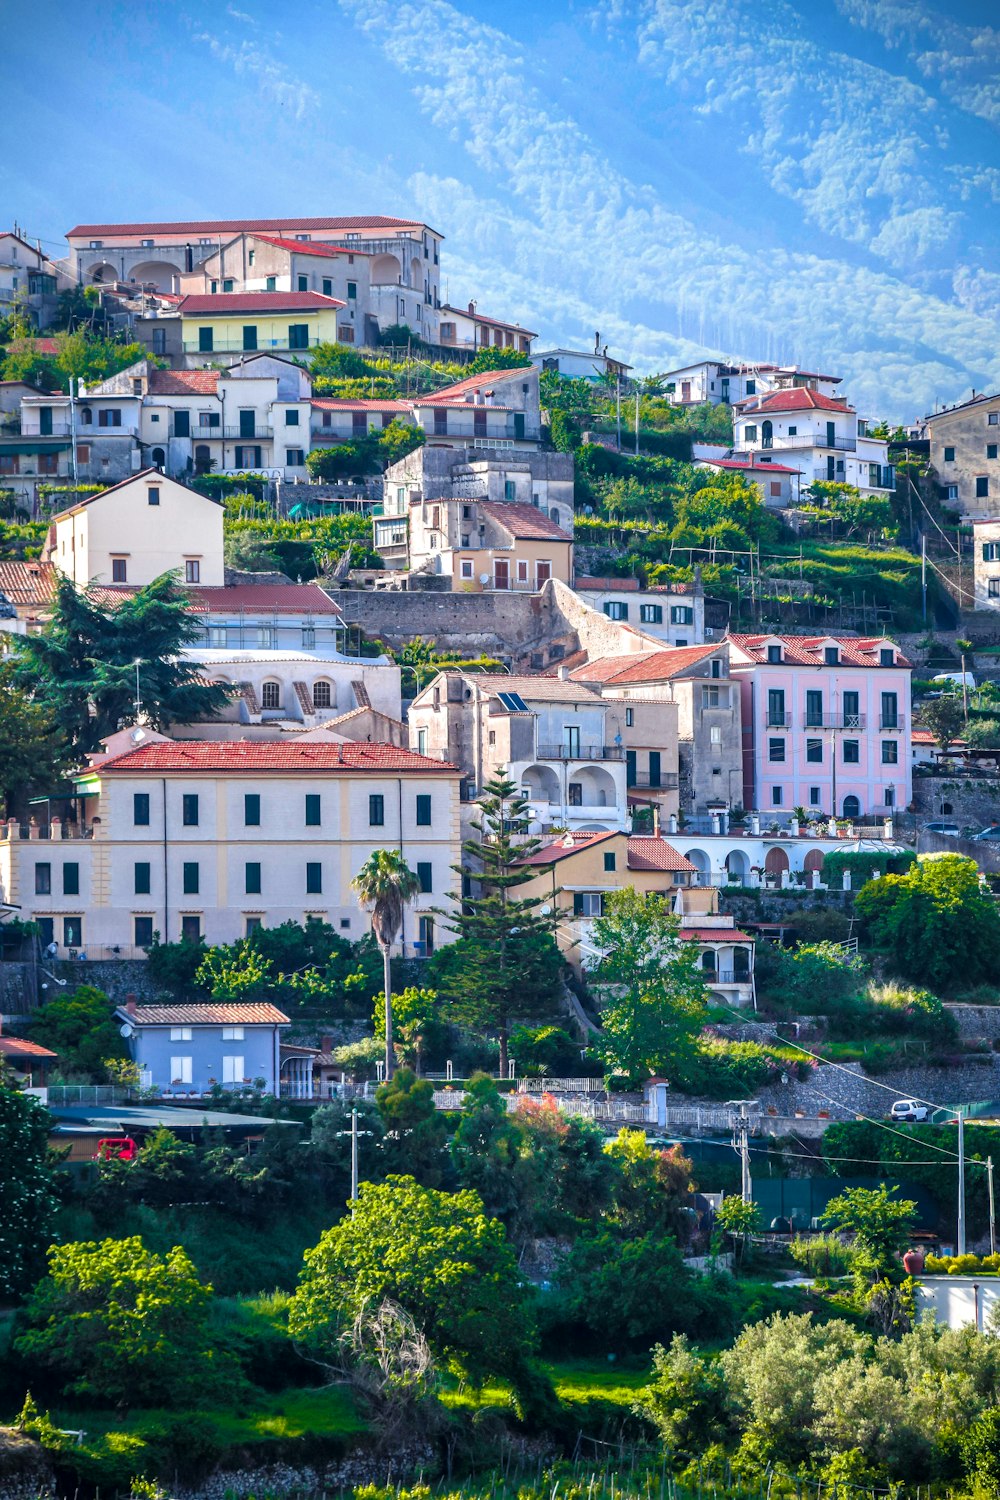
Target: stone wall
972,801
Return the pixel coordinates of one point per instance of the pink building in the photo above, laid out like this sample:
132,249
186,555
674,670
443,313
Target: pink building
826,723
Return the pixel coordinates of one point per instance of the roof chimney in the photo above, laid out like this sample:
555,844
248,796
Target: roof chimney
130,1004
326,1043
563,674
656,822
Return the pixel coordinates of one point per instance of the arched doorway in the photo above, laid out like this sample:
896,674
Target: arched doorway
767,435
813,861
737,865
202,458
852,807
159,458
775,862
702,864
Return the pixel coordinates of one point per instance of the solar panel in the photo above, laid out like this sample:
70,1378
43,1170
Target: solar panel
513,702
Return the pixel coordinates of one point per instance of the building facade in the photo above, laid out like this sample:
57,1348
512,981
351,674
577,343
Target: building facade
964,447
213,839
672,614
191,1049
986,563
821,437
714,382
468,330
826,724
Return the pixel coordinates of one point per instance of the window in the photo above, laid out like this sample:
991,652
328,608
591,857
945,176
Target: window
993,418
852,711
421,741
191,928
423,810
713,697
249,335
72,932
71,879
777,796
774,655
716,665
232,1069
982,486
651,614
43,880
309,637
140,809
9,463
831,655
233,1033
314,810
327,286
48,463
119,570
298,335
465,568
295,458
251,809
254,924
227,284
890,796
46,931
192,570
303,283
852,752
814,796
108,417
681,614
265,637
181,1069
991,450
270,695
142,873
750,433
321,695
189,810
991,551
142,932
776,749
890,711
588,903
715,735
190,881
180,1033
205,341
616,609
814,751
182,425
153,495
949,455
993,588
890,752
751,388
376,810
775,707
425,874
251,873
314,878
629,717
814,709
352,291
886,657
793,432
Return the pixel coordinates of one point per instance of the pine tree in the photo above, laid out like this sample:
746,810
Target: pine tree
505,965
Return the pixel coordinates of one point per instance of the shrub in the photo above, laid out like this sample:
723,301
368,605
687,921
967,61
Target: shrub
821,1255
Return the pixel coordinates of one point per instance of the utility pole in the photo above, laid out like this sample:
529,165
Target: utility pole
961,1184
923,571
993,1218
72,430
637,421
741,1145
618,410
354,1158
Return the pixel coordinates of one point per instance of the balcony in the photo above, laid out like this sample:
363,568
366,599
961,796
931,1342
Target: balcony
667,781
892,721
804,440
580,752
54,429
834,721
779,721
234,345
726,976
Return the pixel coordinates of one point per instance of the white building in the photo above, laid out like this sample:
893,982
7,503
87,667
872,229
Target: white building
468,329
284,691
777,484
673,614
579,364
715,382
822,437
191,839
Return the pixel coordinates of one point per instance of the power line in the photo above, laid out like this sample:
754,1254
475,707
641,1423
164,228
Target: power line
829,1063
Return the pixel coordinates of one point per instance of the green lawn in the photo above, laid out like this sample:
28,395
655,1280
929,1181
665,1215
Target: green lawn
291,1413
575,1381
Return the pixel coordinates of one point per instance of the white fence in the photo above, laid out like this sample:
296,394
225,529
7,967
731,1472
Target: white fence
560,1085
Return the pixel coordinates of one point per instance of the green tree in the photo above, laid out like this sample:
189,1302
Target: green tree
491,358
881,1225
415,1022
33,753
81,669
397,440
385,886
739,1220
233,973
415,1131
944,718
439,1257
686,1398
118,1322
938,922
78,1026
654,1188
505,965
28,1202
652,992
486,1151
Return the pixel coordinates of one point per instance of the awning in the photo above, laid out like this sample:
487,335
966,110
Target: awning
37,445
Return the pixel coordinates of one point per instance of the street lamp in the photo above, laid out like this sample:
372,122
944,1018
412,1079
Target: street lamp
138,702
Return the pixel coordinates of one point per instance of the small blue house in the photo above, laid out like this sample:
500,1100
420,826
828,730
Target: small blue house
186,1050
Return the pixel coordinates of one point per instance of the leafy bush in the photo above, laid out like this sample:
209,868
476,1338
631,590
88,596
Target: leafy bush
821,1255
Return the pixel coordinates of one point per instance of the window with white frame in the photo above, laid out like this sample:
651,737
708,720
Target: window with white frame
181,1069
180,1033
232,1033
232,1069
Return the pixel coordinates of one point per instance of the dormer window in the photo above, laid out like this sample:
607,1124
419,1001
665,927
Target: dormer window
774,654
831,655
887,657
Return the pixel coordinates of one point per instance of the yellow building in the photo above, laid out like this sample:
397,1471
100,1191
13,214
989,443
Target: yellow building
576,871
257,322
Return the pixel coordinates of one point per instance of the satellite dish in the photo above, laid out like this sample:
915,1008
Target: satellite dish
484,578
125,1031
546,911
137,736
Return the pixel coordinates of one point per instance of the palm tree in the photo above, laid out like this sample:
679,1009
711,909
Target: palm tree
385,884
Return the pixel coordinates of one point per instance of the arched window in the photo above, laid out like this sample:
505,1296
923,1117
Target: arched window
708,960
270,695
852,807
202,458
766,435
322,697
159,458
86,416
554,515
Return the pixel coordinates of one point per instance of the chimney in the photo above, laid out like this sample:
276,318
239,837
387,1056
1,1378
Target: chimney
563,674
130,1004
326,1043
656,822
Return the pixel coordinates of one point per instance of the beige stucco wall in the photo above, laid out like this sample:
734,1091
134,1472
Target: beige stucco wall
153,539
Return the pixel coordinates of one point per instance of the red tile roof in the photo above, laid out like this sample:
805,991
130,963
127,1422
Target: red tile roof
27,583
308,247
264,599
360,403
245,1013
747,464
715,935
15,1047
235,757
485,383
524,522
650,666
605,584
183,382
141,474
247,226
198,305
798,399
807,650
478,317
651,853
567,844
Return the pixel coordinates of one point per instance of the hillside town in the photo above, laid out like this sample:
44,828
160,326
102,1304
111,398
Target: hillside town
499,874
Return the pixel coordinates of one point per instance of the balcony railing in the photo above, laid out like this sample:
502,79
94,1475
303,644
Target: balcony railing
805,440
580,752
892,721
834,721
667,781
55,429
779,721
235,345
726,976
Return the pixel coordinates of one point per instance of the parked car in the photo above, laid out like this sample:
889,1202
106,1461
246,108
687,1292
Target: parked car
946,830
992,833
960,679
908,1109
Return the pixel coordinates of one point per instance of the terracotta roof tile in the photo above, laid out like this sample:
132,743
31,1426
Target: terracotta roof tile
27,583
807,650
248,226
308,247
650,666
238,757
183,382
16,1046
715,935
650,853
197,305
263,598
485,382
747,465
567,844
523,521
361,403
246,1013
798,399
